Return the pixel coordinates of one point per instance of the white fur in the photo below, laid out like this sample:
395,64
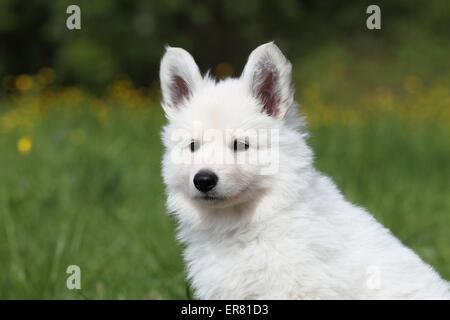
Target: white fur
290,235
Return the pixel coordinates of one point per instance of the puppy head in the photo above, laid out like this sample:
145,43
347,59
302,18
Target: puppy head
222,140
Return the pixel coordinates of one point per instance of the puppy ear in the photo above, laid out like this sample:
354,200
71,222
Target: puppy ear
268,76
179,76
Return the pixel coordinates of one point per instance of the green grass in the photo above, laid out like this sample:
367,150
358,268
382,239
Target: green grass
90,193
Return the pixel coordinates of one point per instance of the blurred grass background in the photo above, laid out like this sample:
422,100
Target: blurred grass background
80,121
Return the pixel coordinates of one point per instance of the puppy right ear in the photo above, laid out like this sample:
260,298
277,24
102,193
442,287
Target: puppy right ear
268,76
179,76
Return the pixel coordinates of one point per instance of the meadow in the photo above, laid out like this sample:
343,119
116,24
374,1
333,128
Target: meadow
80,180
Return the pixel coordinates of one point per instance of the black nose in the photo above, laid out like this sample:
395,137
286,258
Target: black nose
205,180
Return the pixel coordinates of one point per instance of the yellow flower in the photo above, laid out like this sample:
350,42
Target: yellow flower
24,145
46,75
77,136
412,84
312,93
224,70
24,82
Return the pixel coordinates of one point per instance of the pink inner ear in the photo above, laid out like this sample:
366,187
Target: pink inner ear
179,90
267,92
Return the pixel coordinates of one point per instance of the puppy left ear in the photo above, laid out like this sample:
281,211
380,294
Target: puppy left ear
268,75
179,76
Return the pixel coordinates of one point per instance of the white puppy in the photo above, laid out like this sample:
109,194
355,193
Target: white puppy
258,221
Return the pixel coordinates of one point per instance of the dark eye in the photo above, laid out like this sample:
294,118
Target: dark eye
194,145
239,145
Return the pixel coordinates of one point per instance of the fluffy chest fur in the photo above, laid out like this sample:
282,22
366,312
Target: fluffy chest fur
324,248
